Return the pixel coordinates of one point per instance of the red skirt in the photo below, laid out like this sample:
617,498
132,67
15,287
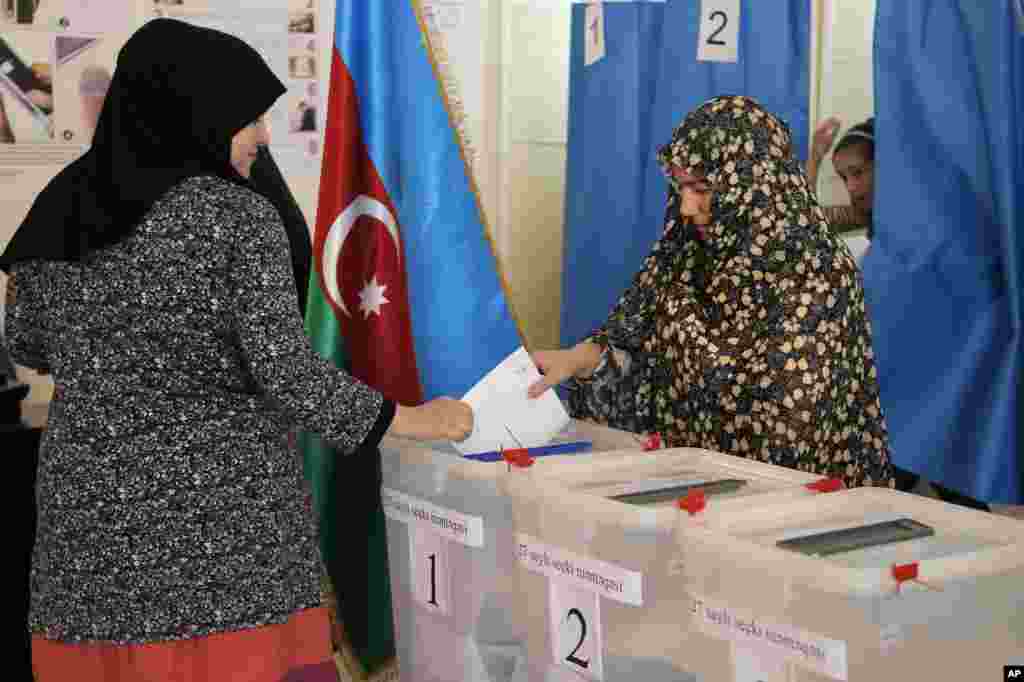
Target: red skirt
296,651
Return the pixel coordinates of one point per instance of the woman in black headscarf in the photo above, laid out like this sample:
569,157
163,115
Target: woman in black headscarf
174,541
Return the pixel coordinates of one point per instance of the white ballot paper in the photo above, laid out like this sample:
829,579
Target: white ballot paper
504,416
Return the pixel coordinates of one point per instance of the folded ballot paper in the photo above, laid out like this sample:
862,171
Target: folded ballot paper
504,416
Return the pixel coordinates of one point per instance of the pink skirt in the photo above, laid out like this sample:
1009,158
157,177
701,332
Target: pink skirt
296,651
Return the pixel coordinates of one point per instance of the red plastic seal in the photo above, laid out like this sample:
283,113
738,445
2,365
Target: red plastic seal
826,485
904,572
519,457
653,442
694,502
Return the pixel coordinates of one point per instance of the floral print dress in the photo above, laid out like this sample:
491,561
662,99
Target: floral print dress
748,336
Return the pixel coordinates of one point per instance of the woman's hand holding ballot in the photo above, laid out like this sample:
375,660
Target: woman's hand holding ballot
438,419
557,366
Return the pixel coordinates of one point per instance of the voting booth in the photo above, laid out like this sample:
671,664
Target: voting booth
448,522
783,593
599,571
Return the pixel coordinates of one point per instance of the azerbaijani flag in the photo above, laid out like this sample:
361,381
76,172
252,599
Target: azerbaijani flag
405,291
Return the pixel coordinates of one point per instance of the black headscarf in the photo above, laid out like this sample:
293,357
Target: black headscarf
179,94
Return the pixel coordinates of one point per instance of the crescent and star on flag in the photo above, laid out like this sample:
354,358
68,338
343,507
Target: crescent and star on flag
372,295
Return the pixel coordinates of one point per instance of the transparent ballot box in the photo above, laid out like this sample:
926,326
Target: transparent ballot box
862,585
597,563
447,520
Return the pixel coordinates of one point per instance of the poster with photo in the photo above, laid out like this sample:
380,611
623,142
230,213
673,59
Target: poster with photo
26,86
181,8
80,16
83,68
302,16
57,60
302,56
303,105
56,57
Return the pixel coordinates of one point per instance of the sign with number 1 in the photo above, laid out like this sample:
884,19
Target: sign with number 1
593,43
718,38
428,554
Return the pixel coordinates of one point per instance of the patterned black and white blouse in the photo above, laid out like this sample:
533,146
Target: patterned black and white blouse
171,504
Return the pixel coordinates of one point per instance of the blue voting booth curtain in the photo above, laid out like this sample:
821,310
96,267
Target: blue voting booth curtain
623,107
610,141
943,276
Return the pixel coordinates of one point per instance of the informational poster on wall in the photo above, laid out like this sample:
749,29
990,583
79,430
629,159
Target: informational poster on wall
285,32
57,59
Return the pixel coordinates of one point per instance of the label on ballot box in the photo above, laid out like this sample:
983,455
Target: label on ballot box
576,585
783,642
575,625
428,554
448,523
592,575
431,530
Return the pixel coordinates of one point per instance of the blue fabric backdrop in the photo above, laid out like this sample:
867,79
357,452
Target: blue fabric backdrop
622,108
943,275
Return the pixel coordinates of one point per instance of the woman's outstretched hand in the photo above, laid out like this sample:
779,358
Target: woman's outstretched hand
437,419
557,366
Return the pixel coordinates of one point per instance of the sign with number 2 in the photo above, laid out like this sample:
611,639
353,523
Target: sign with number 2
718,38
575,625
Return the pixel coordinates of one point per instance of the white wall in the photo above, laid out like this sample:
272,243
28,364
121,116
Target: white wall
532,156
846,85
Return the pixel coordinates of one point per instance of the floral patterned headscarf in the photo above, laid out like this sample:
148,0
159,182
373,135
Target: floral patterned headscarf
745,154
748,336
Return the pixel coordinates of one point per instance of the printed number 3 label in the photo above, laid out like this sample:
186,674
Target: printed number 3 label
575,626
428,553
719,31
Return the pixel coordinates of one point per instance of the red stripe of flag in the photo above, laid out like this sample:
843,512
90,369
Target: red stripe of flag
358,252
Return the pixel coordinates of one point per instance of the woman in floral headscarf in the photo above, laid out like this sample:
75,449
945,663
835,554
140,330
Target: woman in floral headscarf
745,330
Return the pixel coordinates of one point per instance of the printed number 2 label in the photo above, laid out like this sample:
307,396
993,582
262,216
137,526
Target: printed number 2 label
428,553
719,31
575,626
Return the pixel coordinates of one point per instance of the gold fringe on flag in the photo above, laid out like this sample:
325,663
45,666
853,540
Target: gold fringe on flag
441,60
434,41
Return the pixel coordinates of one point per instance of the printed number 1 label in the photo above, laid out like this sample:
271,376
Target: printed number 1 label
719,31
575,625
428,554
593,41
